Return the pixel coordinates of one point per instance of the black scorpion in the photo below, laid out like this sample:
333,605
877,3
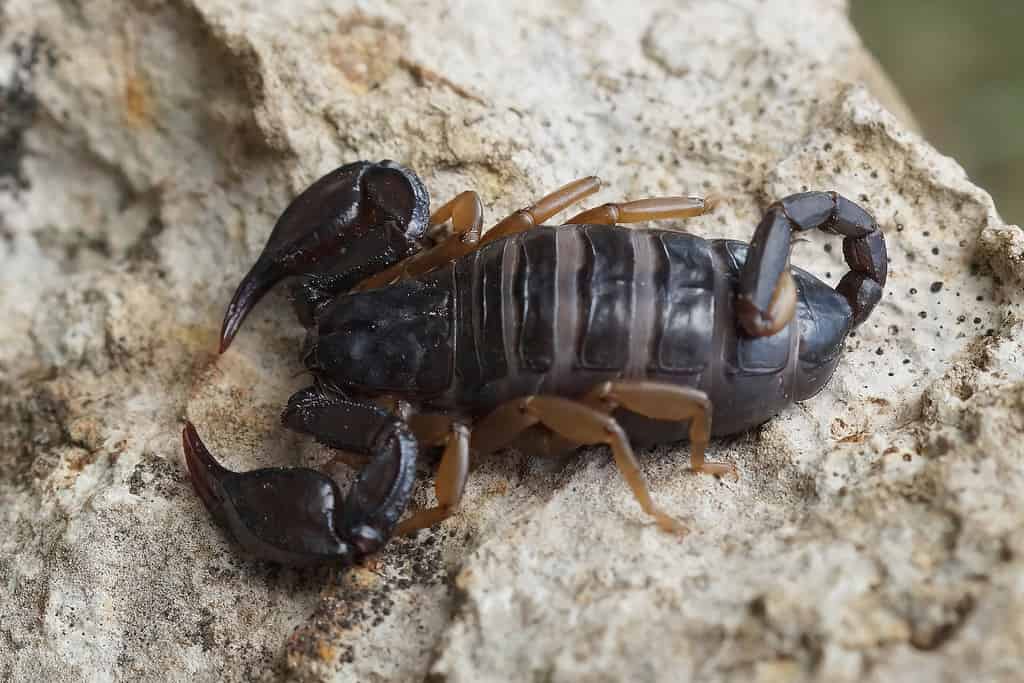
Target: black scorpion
552,337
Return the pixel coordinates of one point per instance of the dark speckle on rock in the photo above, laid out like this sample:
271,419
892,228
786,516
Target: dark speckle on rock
18,106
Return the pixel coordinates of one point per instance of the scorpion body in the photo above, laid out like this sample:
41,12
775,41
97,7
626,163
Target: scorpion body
559,310
550,336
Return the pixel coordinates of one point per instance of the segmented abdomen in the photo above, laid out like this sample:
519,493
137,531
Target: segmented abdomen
559,310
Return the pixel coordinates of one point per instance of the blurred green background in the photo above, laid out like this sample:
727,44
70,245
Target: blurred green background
960,66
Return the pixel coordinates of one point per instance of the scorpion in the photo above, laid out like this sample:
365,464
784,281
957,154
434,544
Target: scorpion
424,331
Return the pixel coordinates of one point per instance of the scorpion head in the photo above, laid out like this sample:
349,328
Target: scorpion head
397,338
353,222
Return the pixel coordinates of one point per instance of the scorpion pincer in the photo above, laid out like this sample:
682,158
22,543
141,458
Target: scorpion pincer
552,337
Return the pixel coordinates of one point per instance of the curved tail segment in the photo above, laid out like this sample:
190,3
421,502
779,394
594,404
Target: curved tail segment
353,222
298,516
766,299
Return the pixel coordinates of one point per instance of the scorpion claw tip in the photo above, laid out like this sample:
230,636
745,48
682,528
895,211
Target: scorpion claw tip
251,289
205,472
226,335
237,310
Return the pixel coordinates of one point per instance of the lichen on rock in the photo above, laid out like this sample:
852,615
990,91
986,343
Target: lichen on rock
875,531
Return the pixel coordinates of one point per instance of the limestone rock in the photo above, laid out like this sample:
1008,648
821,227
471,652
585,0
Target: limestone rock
145,151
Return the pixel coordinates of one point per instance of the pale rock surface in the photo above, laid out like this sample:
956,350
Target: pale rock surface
875,533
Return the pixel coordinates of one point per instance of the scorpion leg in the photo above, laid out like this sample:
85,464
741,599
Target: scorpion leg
764,302
654,209
349,224
501,427
545,208
666,402
542,442
449,483
431,428
576,422
466,214
297,516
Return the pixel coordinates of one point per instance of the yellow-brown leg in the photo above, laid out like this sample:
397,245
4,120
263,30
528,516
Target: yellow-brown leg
501,427
449,483
431,429
666,402
577,423
542,442
548,206
654,209
466,214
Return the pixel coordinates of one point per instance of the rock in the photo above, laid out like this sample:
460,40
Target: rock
875,531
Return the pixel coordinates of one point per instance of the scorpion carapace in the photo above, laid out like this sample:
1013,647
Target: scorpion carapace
545,337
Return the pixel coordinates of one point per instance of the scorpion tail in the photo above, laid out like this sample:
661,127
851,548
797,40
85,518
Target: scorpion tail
351,223
765,279
298,516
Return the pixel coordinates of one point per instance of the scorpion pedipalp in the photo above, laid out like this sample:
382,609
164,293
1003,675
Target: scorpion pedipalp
355,221
297,516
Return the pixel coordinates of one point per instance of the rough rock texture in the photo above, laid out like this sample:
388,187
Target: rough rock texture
145,150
